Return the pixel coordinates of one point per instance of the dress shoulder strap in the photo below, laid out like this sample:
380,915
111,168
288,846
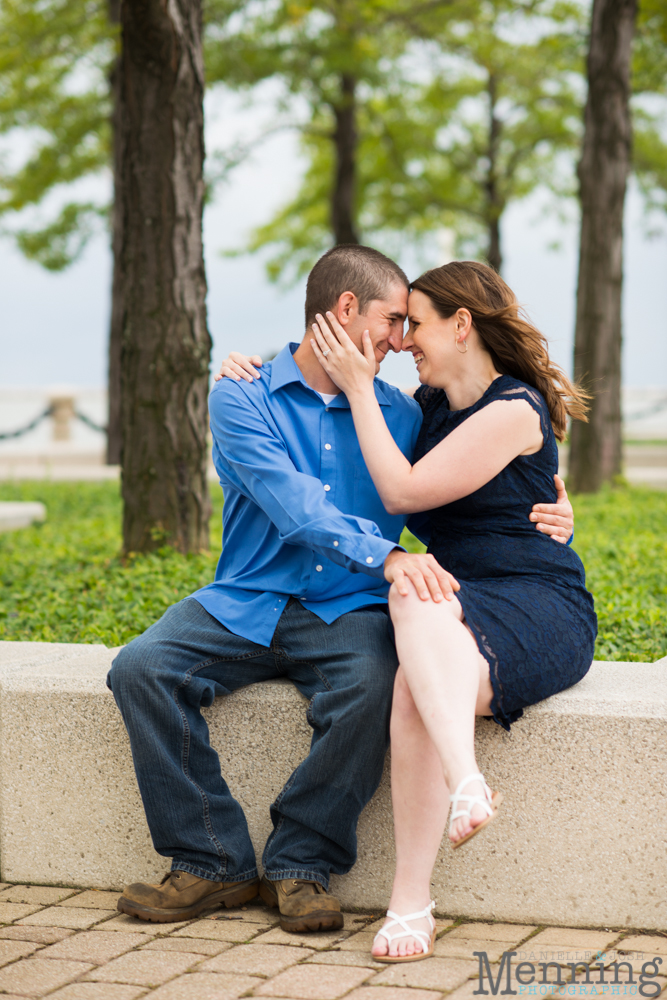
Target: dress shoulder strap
511,388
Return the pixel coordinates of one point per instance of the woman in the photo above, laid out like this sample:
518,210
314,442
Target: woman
522,625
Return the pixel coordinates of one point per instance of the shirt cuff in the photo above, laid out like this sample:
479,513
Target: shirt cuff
375,552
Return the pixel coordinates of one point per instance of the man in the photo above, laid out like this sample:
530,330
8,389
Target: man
300,591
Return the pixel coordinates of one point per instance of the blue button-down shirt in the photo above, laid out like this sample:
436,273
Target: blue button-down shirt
302,517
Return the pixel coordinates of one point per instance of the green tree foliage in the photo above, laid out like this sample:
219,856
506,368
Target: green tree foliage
649,81
418,116
54,64
457,114
460,109
501,105
338,57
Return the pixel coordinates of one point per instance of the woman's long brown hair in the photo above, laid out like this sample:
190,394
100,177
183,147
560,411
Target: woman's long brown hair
515,345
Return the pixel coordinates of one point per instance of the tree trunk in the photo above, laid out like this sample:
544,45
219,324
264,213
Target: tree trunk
159,280
595,451
345,181
114,435
493,208
493,254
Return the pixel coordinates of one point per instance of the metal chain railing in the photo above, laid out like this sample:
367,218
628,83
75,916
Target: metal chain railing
48,412
90,423
7,435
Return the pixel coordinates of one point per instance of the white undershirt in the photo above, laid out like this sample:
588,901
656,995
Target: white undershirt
328,397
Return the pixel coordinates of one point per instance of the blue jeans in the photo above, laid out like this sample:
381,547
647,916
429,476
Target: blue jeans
164,677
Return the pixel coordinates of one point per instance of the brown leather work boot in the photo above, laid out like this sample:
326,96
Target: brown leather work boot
303,905
181,896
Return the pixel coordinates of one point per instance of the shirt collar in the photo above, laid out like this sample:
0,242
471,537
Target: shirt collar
284,371
284,368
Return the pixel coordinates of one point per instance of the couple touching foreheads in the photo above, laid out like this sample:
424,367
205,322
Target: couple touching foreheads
321,464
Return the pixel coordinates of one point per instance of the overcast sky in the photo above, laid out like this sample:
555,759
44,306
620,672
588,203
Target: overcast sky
54,326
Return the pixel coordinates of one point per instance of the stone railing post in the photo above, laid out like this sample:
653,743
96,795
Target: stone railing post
62,414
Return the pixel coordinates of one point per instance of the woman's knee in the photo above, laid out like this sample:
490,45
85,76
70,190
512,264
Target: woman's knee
405,607
402,605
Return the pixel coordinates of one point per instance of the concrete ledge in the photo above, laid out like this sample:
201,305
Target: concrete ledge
580,840
20,514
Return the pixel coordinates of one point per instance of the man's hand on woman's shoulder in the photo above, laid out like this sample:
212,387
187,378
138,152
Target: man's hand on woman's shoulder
238,366
555,519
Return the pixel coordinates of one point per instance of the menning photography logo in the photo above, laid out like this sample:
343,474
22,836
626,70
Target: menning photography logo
588,974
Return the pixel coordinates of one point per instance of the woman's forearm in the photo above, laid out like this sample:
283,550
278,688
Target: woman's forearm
389,468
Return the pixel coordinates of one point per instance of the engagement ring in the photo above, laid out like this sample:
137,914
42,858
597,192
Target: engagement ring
326,352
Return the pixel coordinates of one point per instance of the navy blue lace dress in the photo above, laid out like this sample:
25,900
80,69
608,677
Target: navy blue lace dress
524,596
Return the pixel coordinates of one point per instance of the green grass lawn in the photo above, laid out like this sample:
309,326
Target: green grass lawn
63,581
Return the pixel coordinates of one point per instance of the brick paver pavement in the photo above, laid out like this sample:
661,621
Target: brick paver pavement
72,944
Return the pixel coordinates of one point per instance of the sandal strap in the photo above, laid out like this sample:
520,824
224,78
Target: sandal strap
396,920
466,781
471,800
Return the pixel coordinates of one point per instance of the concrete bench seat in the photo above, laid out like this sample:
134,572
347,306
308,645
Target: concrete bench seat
581,839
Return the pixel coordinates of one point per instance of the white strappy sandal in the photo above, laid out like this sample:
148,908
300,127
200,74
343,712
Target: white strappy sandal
426,940
489,801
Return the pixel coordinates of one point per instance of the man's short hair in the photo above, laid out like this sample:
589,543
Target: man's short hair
350,268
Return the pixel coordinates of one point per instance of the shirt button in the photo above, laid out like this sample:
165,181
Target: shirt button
369,559
319,569
326,487
328,447
335,545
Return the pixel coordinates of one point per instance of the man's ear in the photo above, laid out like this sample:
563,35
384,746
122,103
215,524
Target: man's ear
347,308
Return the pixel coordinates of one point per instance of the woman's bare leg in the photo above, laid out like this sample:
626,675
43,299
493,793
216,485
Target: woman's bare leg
420,801
449,682
442,683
